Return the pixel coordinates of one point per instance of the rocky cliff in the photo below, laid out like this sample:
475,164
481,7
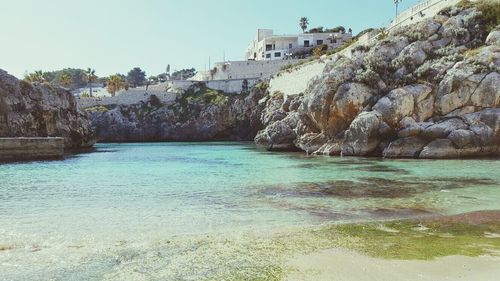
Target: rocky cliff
431,90
198,114
39,110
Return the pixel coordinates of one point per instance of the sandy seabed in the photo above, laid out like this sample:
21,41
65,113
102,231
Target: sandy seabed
346,265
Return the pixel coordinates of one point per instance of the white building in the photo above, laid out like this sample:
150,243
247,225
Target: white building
243,70
267,46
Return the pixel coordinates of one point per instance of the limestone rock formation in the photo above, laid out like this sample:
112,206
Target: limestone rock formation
199,114
39,110
430,90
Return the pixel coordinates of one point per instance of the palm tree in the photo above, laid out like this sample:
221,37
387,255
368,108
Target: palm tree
304,22
115,83
66,80
36,76
90,77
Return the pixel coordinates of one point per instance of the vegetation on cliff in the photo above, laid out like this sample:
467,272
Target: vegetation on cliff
429,90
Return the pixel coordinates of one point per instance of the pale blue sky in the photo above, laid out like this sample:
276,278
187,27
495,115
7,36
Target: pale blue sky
115,35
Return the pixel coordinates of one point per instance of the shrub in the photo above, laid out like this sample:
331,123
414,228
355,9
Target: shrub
278,95
98,108
320,50
155,101
85,95
490,12
202,94
383,34
262,86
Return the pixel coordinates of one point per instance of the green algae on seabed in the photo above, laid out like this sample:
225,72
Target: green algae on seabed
257,258
265,258
421,241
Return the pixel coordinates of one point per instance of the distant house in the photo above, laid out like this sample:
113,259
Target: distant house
267,46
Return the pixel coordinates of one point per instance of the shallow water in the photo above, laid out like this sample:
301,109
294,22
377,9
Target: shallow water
75,218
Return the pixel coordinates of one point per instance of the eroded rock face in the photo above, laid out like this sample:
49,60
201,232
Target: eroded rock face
431,90
190,118
39,110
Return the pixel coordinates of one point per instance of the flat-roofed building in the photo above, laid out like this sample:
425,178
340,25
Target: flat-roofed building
267,46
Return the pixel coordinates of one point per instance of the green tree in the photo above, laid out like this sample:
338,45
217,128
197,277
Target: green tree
136,77
304,22
162,77
320,50
90,77
316,30
115,83
183,74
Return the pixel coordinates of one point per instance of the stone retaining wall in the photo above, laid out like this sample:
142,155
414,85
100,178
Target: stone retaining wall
15,149
230,86
132,96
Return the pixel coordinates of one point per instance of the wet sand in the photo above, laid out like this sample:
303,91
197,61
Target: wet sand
345,265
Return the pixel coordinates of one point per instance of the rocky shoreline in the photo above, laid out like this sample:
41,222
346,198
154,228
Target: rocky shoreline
39,110
198,114
431,90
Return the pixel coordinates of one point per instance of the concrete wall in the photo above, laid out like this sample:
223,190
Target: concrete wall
234,86
248,69
295,81
132,96
15,149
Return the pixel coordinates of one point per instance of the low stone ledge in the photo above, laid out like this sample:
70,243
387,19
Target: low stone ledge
35,148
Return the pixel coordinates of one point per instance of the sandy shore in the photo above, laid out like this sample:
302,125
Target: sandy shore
345,265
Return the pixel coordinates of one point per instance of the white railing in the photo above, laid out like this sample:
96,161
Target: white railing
420,11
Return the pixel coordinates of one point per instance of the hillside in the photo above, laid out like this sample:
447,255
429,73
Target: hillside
430,90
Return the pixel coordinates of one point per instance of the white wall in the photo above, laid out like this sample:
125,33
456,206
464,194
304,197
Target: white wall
246,69
126,98
230,86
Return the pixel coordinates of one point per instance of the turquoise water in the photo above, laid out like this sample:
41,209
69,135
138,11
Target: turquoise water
56,216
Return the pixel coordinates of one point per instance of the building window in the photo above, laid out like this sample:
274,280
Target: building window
319,42
268,56
277,54
290,46
269,47
306,43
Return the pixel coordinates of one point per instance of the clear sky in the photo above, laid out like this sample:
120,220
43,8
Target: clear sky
113,36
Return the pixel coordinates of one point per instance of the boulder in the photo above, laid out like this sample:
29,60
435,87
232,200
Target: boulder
413,55
456,88
362,136
487,94
461,137
280,135
410,128
493,38
439,149
443,128
333,112
397,104
408,147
